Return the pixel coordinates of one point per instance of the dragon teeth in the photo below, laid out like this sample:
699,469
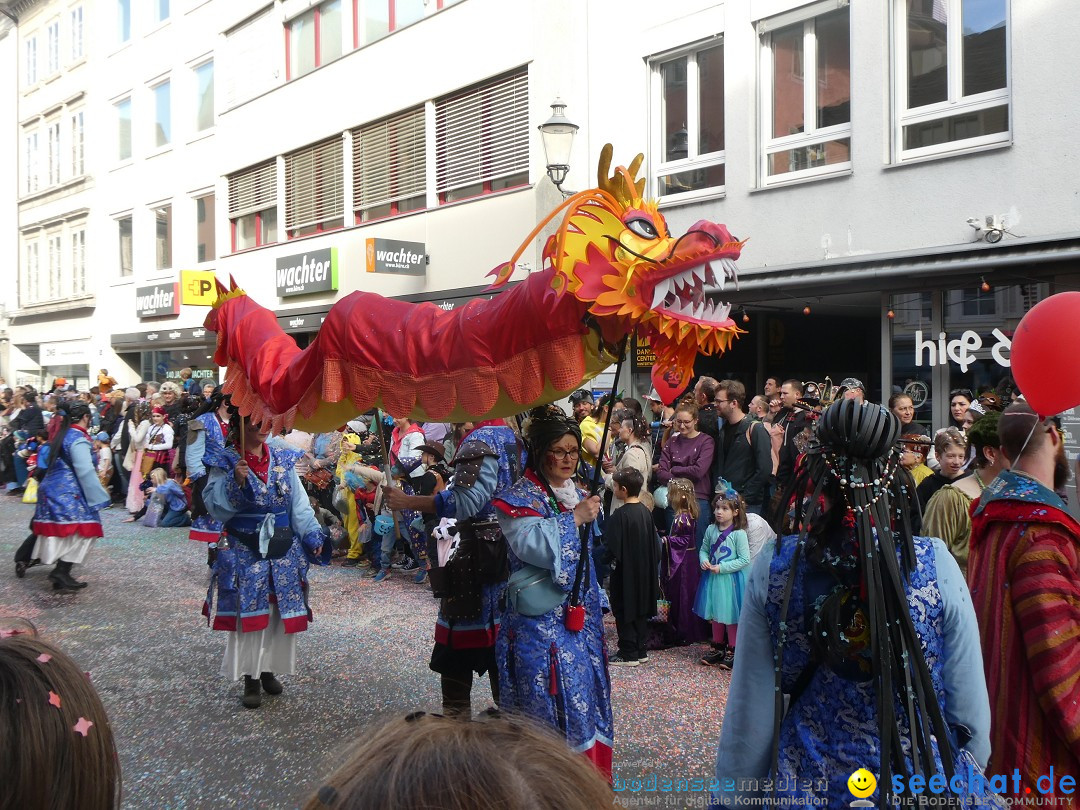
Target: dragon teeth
660,292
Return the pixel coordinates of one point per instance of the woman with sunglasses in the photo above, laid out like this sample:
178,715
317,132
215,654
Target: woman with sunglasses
550,648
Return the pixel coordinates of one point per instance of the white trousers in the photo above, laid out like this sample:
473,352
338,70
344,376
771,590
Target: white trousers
269,650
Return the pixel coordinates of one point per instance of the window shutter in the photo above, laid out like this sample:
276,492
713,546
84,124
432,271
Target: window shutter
253,189
314,184
483,132
388,160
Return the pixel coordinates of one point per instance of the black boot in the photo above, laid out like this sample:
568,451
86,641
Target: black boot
252,693
211,555
270,684
62,579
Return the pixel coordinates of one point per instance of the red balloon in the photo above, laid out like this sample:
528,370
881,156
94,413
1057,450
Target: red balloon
1046,354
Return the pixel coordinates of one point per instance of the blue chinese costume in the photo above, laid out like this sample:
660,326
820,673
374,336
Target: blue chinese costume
260,579
66,519
554,674
205,449
471,585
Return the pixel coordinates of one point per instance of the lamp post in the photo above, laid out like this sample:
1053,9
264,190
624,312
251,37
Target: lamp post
557,134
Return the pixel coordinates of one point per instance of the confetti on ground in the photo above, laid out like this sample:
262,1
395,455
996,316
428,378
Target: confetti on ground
138,627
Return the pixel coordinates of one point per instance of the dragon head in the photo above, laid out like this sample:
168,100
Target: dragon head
615,254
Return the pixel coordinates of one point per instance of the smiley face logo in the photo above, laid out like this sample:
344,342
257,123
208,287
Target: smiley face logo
862,783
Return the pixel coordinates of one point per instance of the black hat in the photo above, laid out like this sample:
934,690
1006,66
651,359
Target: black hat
436,451
581,395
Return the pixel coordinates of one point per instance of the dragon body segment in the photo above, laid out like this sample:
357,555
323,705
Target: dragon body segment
612,267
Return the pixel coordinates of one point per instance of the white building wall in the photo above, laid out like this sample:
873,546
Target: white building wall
594,55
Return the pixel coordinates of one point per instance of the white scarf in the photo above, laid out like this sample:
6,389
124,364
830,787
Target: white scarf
567,494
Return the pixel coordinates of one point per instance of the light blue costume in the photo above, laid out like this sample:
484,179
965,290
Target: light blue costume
244,580
555,675
831,729
720,595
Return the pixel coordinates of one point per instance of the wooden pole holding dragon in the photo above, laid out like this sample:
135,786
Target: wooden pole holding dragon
612,266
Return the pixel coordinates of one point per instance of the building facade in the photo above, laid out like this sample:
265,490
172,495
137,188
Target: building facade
900,168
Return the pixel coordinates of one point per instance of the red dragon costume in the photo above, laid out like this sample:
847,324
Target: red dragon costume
611,267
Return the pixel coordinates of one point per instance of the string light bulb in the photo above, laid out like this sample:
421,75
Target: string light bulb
806,310
890,314
745,316
985,286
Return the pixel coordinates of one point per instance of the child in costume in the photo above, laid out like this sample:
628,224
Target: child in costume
633,550
683,570
724,557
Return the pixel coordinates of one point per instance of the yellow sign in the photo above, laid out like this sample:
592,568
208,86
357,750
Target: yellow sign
644,356
197,288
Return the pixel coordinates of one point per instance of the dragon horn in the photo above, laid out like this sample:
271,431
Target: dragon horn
602,179
221,288
635,164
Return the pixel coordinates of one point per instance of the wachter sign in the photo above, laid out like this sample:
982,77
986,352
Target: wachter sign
315,271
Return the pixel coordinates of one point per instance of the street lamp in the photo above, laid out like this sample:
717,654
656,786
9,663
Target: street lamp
558,136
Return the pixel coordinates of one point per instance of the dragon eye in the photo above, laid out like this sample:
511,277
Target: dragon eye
643,228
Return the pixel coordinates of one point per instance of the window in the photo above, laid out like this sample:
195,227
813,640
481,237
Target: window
204,228
313,38
162,114
806,93
314,189
689,96
204,96
29,292
32,162
953,88
53,133
163,237
374,19
78,157
124,229
975,302
161,10
76,33
54,290
253,206
123,119
482,138
31,61
123,19
53,32
78,262
389,166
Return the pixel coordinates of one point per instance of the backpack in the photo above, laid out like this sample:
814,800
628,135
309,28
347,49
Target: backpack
775,440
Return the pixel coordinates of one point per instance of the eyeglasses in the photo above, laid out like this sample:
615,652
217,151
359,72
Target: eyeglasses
719,401
561,455
684,421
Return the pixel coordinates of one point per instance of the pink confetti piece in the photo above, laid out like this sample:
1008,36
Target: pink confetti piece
54,699
44,658
83,726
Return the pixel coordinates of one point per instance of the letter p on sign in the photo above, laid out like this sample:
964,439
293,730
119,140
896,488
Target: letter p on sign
197,288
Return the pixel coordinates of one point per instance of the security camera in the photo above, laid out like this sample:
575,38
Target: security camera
994,235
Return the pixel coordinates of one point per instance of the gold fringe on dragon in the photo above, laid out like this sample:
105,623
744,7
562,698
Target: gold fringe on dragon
612,267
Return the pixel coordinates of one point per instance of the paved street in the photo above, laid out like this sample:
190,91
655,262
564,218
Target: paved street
184,739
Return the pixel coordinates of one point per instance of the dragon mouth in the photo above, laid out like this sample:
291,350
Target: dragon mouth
682,296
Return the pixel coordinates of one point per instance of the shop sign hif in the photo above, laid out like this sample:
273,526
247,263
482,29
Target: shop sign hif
394,256
158,300
197,288
316,271
960,350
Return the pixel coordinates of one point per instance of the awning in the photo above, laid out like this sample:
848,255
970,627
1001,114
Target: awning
899,272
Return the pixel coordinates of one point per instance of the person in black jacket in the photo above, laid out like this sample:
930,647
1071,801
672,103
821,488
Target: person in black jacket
793,420
744,452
